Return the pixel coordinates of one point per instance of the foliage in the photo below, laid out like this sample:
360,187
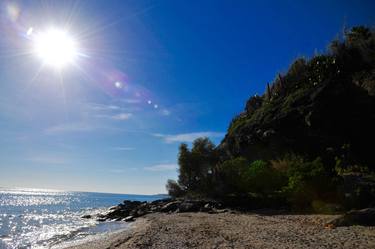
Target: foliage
197,165
174,189
308,182
233,175
262,178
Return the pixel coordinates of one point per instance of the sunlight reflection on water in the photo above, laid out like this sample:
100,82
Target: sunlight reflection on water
40,218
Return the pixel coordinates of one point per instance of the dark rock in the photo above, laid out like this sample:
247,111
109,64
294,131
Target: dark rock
141,212
363,217
128,203
155,208
129,219
190,206
118,213
162,201
171,206
87,216
206,208
136,209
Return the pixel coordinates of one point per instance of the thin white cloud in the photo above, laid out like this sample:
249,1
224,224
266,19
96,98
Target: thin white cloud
122,116
162,167
124,148
69,127
189,137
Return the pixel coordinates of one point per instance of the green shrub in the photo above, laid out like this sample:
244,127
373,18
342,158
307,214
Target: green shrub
233,175
264,179
308,182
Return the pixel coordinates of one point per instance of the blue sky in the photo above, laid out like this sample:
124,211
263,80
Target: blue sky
150,75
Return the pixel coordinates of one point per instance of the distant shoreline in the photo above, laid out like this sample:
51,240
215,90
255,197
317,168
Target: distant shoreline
232,230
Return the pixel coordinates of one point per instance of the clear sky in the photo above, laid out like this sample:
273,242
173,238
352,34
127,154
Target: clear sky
144,77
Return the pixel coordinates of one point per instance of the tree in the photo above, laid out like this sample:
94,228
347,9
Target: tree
173,188
196,166
184,161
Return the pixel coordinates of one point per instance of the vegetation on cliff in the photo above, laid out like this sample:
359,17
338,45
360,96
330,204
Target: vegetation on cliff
307,142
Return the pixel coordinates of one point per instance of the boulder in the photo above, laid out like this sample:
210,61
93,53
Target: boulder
171,206
363,217
190,206
129,219
87,216
117,213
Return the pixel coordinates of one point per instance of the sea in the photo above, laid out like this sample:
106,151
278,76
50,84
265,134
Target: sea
42,218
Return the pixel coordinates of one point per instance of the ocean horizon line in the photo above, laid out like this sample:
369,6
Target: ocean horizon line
51,190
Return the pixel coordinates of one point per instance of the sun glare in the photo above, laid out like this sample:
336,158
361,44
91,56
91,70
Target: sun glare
55,47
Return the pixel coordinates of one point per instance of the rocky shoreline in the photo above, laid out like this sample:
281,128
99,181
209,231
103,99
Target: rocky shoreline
129,211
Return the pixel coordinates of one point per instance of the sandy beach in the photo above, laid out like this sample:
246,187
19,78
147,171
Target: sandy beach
234,230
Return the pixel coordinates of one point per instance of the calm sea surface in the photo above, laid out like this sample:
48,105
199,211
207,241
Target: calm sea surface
39,218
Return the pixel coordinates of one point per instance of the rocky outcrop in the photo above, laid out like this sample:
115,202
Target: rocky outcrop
129,210
323,107
363,217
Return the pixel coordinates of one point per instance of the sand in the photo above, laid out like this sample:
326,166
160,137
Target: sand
234,230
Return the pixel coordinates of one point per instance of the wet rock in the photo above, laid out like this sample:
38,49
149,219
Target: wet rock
87,216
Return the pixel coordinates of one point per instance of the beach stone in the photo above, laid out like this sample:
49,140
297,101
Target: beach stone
363,217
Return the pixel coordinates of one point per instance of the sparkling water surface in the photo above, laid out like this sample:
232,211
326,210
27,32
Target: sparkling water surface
40,218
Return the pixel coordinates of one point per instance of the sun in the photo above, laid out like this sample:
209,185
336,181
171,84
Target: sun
55,47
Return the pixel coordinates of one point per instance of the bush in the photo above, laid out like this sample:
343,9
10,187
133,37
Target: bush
264,179
308,182
233,178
